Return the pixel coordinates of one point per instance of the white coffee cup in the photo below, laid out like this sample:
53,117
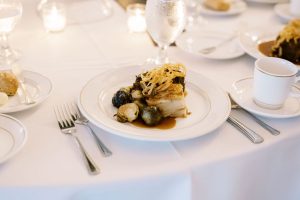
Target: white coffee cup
273,81
295,7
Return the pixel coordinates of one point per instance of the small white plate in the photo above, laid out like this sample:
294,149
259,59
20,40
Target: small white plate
241,93
13,136
268,1
250,39
283,11
39,87
194,40
236,7
208,103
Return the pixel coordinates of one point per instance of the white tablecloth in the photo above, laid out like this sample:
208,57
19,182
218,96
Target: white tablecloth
223,165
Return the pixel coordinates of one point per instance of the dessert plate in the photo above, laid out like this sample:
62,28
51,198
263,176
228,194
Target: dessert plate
37,85
236,7
13,136
251,38
195,40
241,92
268,1
283,11
208,103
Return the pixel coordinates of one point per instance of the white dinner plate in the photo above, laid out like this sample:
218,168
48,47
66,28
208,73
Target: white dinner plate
268,1
283,11
37,85
13,136
250,39
236,7
208,103
242,94
195,40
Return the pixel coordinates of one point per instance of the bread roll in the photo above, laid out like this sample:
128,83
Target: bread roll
8,83
219,5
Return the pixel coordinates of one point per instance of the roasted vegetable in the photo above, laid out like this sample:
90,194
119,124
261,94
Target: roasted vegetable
151,115
121,97
127,112
136,94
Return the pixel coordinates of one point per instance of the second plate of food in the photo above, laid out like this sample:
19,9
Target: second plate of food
194,41
208,104
258,41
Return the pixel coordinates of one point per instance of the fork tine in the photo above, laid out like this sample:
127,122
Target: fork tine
71,111
75,108
57,118
62,116
67,115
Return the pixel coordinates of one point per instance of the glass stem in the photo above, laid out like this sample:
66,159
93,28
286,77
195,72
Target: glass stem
4,41
162,54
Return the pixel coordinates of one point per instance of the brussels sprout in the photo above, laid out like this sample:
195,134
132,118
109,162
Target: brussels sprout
151,115
136,94
121,97
128,112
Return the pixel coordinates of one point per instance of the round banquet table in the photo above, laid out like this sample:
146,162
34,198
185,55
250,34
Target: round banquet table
222,165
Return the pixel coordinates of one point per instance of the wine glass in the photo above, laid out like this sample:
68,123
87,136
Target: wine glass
10,13
165,22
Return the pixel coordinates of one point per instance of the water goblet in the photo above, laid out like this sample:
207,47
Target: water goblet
10,13
165,22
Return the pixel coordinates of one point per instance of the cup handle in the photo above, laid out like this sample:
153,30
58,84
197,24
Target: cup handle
296,94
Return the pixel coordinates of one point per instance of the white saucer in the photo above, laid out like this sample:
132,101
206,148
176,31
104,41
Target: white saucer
13,136
283,11
195,40
241,92
236,7
37,85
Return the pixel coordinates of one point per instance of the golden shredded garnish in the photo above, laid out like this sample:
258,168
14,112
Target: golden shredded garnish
290,32
160,79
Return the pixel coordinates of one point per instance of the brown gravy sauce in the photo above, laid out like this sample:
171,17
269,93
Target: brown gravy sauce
266,47
166,123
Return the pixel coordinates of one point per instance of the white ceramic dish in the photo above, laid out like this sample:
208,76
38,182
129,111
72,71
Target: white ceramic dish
210,106
241,92
13,136
193,41
250,39
268,1
283,11
236,7
39,87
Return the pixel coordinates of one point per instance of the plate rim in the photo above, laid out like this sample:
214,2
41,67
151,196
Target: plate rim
267,2
145,138
260,113
26,107
17,150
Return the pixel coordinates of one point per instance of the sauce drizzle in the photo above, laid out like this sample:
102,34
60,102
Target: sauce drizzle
166,123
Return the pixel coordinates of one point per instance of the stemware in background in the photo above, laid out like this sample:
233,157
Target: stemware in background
10,13
193,17
165,22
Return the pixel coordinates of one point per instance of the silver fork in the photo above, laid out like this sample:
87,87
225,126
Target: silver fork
18,72
211,49
67,126
80,119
